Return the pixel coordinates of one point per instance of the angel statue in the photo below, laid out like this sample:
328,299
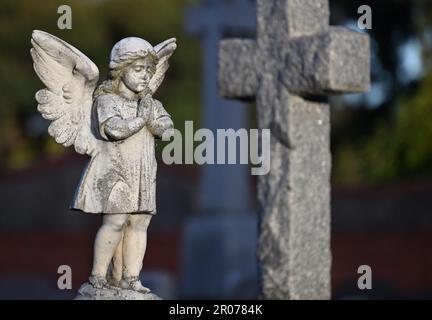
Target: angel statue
115,123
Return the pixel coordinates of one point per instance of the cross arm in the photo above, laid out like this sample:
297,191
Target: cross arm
337,61
237,71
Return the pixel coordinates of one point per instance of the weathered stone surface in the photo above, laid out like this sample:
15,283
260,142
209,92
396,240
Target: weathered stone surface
88,292
237,66
294,241
305,17
296,55
332,62
349,59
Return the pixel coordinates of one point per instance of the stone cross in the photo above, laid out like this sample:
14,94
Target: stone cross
296,58
219,241
210,21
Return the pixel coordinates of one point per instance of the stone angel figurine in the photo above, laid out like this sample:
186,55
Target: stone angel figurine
115,123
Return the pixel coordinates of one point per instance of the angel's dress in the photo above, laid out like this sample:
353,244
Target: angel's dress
121,177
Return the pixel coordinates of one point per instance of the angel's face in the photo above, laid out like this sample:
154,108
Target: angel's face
137,75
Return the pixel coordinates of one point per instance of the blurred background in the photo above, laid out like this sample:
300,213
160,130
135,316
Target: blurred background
201,243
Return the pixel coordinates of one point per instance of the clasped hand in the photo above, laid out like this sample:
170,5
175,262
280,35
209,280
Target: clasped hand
144,106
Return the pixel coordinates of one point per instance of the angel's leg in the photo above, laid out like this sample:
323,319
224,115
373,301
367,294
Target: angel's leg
117,262
106,242
134,247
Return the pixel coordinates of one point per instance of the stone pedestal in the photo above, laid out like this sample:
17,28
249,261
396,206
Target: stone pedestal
88,292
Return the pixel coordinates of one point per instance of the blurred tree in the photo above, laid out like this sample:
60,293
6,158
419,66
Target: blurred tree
391,140
401,149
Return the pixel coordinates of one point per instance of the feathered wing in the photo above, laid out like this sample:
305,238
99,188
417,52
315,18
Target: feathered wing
70,79
164,51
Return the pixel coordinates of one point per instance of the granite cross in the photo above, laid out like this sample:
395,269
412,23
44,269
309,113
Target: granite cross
211,20
219,241
296,59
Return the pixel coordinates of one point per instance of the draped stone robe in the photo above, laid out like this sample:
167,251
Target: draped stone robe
121,176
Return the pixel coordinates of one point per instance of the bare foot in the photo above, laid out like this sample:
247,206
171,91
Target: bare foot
133,283
98,282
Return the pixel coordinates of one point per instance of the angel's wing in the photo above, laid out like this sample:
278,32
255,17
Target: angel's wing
164,51
70,79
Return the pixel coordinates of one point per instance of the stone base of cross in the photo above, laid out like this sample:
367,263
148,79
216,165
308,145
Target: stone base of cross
296,57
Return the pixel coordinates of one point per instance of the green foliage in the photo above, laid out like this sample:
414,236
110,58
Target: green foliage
400,149
96,26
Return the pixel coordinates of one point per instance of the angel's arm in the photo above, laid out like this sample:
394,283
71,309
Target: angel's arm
160,120
117,128
111,125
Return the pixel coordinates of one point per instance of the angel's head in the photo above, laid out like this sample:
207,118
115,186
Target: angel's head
132,64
